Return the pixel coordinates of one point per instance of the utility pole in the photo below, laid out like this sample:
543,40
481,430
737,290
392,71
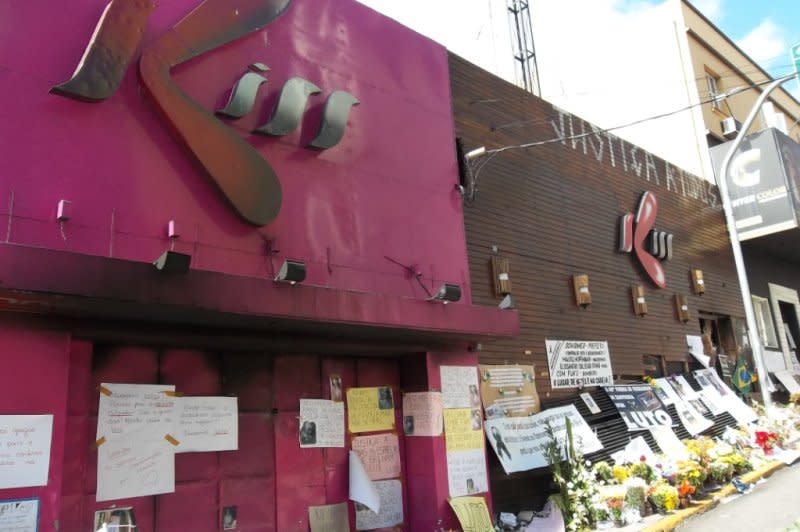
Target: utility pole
741,273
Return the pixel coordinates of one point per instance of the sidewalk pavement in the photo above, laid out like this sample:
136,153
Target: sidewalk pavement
671,521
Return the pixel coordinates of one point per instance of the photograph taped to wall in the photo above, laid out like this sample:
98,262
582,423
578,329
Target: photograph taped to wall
575,364
19,515
230,519
508,390
115,519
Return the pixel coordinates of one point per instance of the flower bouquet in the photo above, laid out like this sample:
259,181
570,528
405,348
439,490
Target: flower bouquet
720,472
664,497
685,492
766,440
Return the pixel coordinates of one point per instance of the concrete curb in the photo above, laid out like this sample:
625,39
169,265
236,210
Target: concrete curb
670,522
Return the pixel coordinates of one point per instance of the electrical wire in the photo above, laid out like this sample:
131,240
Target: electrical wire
480,164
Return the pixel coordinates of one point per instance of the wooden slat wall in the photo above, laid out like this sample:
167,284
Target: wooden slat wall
553,211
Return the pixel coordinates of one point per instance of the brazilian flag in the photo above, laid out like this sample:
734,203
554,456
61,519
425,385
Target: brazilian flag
742,377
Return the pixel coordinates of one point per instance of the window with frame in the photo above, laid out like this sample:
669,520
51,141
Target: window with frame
766,328
714,92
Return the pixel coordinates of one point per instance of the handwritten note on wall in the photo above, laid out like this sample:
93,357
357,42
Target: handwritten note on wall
380,454
138,411
321,423
460,386
370,409
466,472
329,518
25,450
134,469
20,515
463,428
391,507
206,424
422,414
472,513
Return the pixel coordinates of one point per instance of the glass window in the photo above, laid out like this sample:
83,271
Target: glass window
713,91
766,329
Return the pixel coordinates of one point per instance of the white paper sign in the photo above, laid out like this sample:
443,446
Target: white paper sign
692,420
733,404
590,403
574,364
634,451
206,424
134,469
466,472
135,411
25,450
362,489
460,386
20,515
321,423
663,389
519,442
787,379
390,493
669,443
695,345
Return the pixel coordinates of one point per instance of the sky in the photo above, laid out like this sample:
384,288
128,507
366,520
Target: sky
478,29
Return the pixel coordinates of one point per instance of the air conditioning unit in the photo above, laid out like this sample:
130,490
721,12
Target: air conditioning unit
730,127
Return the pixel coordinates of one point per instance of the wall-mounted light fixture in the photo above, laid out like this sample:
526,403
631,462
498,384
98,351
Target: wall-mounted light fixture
292,272
639,302
580,284
698,283
64,210
500,275
171,261
507,303
682,307
447,293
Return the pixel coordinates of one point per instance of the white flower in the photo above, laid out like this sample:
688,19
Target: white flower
570,485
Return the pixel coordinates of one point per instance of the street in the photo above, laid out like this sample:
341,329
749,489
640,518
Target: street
771,506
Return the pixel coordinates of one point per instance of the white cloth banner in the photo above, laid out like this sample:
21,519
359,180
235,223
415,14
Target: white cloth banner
520,442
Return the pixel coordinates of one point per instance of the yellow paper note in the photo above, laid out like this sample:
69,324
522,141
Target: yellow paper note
370,409
472,513
463,428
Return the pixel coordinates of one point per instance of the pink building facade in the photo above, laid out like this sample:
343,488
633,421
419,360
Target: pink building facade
363,194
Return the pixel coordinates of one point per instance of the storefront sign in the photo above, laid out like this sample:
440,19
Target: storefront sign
763,177
576,364
246,179
636,234
639,406
520,442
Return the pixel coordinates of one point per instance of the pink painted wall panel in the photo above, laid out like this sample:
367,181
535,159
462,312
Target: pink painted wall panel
336,460
386,189
37,385
296,377
256,448
254,499
249,378
193,506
